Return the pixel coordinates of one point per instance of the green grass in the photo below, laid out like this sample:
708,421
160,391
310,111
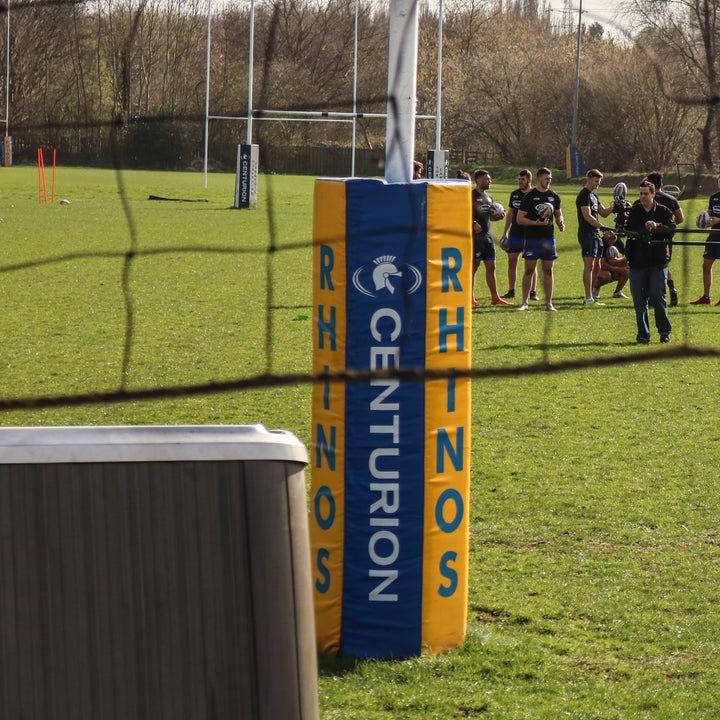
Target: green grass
595,549
198,316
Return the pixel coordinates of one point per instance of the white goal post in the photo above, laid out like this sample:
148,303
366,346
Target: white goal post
314,115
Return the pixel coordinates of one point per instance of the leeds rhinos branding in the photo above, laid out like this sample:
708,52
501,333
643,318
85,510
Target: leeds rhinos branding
383,270
390,291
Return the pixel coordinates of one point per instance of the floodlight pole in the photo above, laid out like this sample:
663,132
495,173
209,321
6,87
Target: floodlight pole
402,90
207,93
354,118
438,120
7,72
573,140
251,72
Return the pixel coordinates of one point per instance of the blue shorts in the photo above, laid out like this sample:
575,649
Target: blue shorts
515,244
540,249
591,243
712,252
483,248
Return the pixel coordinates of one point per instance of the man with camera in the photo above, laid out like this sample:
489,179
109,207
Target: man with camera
649,227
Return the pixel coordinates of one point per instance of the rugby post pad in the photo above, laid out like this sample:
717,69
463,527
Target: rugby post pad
392,273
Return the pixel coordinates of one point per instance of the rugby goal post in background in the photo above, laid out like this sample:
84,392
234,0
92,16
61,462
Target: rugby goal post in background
437,160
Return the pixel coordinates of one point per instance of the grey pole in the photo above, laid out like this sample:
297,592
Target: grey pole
573,140
251,72
207,94
355,69
438,120
7,74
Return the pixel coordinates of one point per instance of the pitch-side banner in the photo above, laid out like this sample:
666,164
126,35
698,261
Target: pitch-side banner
390,469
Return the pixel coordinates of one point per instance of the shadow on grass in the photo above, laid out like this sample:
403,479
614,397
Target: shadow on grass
344,665
524,347
337,665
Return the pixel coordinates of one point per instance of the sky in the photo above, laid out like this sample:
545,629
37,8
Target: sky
602,11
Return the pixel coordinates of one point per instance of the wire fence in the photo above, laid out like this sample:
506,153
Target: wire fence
123,393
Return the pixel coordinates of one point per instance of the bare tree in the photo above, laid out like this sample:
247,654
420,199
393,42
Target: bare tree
680,39
511,93
80,72
627,121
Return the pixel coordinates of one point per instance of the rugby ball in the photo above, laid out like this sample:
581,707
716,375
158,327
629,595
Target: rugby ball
497,211
703,219
544,210
620,192
64,202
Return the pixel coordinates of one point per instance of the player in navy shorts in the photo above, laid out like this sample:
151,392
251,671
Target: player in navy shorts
540,235
513,237
589,208
712,251
483,243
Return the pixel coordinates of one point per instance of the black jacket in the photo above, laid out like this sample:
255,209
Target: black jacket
649,249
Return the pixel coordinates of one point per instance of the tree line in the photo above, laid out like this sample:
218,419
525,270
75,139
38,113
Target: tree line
124,80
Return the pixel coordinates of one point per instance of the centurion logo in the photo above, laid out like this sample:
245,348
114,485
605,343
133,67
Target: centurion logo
384,275
384,415
383,460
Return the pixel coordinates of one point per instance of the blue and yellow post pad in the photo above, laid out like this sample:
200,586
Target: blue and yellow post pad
391,455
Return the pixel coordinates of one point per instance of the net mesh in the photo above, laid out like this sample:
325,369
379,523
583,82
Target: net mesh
271,255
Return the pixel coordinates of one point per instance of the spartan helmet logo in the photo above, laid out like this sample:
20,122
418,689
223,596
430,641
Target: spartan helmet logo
385,268
380,275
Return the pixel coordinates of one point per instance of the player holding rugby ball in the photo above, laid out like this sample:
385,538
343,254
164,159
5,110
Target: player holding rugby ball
537,211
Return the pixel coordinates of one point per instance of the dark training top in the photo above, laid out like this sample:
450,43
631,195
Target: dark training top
668,201
649,250
714,210
587,198
516,197
481,203
529,204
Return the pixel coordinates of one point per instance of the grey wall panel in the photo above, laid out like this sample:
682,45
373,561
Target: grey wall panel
155,591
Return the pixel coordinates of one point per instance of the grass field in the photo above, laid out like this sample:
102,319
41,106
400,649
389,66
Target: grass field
595,544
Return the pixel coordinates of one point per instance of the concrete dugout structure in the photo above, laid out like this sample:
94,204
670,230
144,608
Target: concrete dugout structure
155,572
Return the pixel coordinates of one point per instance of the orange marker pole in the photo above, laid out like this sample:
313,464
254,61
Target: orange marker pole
39,177
53,185
42,165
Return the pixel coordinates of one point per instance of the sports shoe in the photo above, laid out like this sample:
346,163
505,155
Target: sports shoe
522,306
592,303
509,295
475,303
642,341
673,297
702,300
665,338
550,307
500,301
620,294
595,293
534,295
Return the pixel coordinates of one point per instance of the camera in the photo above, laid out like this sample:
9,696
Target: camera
621,208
